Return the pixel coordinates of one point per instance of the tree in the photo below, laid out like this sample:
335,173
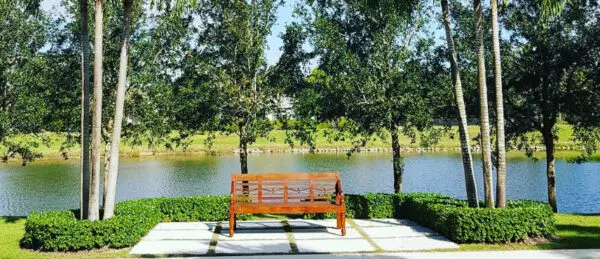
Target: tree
470,184
486,148
500,138
22,38
113,170
85,110
225,73
373,74
553,74
94,204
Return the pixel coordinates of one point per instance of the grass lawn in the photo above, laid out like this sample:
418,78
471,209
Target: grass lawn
276,141
574,231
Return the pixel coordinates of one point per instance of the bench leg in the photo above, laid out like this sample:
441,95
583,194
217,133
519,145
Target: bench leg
339,221
343,223
231,224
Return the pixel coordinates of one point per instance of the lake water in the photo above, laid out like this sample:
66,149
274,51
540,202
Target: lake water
52,185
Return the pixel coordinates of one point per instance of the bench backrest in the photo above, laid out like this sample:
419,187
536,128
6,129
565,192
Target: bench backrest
286,188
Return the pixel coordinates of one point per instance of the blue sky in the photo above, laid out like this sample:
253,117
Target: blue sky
273,52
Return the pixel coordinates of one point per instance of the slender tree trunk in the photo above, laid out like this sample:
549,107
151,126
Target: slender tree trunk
105,170
85,111
500,140
550,168
243,156
113,171
470,184
486,147
397,160
94,213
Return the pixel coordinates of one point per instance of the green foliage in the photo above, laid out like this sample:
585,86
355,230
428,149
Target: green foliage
62,231
455,220
551,71
202,208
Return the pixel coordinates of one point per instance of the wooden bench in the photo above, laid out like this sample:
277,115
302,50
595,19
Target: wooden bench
287,194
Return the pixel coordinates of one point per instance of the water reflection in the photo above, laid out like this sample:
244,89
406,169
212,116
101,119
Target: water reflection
54,185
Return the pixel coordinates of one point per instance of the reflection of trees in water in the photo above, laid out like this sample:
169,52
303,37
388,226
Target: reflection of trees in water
45,185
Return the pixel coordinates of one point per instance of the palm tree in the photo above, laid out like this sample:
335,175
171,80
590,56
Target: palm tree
501,145
113,165
85,111
486,148
467,158
94,204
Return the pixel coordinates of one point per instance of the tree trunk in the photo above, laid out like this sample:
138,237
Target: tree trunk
94,213
467,158
500,141
243,156
486,147
85,112
113,171
105,170
550,168
398,160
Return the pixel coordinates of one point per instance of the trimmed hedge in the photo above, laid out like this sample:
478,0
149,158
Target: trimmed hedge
62,231
455,220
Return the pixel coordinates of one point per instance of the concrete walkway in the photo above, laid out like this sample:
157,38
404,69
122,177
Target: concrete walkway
288,237
534,254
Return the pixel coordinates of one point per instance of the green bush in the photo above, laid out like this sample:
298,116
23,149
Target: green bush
199,208
62,231
455,220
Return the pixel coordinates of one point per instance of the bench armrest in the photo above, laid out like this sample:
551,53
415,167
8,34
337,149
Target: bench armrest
339,196
232,197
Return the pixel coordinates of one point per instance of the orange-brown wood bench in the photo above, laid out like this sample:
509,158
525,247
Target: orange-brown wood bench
291,193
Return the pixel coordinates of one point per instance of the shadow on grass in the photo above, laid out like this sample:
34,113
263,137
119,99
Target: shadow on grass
575,237
11,219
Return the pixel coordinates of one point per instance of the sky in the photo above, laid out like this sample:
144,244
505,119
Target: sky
274,41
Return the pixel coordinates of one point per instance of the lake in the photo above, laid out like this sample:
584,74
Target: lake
54,185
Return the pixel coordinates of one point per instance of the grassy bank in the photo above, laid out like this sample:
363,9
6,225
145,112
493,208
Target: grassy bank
575,231
225,144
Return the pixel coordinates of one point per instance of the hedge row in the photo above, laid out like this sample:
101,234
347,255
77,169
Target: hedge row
62,231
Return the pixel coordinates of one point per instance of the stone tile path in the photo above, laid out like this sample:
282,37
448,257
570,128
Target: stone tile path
296,236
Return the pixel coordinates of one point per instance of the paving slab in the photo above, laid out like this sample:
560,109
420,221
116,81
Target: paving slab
334,246
183,226
398,231
383,222
254,234
311,223
414,243
254,224
324,233
177,234
253,247
171,247
546,254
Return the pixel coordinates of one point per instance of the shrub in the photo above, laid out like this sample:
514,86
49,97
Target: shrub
198,208
62,231
455,220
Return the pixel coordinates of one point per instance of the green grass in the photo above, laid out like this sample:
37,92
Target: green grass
276,141
575,231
